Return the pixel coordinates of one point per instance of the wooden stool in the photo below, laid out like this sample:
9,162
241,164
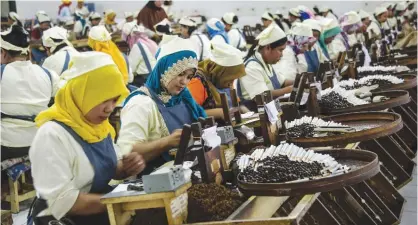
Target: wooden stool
27,192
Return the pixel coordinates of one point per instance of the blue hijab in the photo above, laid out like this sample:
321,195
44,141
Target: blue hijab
328,33
154,82
217,29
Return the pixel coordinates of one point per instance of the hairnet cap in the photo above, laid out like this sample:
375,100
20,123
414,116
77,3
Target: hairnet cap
225,55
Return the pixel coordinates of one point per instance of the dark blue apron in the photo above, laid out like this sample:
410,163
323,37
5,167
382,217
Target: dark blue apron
312,60
174,117
145,57
23,117
66,62
227,91
273,79
102,157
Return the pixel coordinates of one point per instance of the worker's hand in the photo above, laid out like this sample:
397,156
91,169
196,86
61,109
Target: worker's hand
133,164
174,138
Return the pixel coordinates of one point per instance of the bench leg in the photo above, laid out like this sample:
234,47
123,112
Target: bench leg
14,195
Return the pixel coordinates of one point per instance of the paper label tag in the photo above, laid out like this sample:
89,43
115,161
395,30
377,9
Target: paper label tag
334,81
229,155
179,205
304,99
272,112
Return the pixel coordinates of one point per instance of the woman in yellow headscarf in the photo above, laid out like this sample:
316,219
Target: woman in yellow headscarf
73,156
109,20
216,75
101,41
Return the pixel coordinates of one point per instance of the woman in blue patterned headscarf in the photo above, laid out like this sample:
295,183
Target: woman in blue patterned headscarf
153,114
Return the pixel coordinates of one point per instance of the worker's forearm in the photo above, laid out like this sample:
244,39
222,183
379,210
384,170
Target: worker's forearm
282,91
216,113
87,204
153,149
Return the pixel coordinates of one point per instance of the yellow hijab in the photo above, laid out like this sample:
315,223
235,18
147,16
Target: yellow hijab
110,48
80,95
110,18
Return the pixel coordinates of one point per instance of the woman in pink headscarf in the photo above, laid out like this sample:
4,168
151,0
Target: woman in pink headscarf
142,55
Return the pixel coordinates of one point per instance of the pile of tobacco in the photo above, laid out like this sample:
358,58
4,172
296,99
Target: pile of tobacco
334,101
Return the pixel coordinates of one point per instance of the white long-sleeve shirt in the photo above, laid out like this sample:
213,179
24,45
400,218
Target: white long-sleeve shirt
202,44
288,66
56,61
335,47
321,56
375,26
218,39
65,14
60,168
137,62
236,37
25,91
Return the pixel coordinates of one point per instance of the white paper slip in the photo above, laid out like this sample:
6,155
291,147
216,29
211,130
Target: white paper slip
120,188
272,112
304,98
211,138
179,205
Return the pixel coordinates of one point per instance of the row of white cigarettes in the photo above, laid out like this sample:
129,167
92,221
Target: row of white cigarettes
314,121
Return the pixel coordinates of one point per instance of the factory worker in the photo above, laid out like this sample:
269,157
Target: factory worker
73,155
142,51
163,27
330,29
314,46
350,23
260,76
235,35
26,90
94,20
64,11
129,17
267,19
305,13
294,16
391,22
216,75
400,10
154,114
101,41
327,13
14,19
376,28
109,20
80,9
216,31
151,14
189,30
44,24
59,49
81,23
283,23
294,60
411,10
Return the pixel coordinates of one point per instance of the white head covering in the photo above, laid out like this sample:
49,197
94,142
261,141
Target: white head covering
294,12
267,16
278,12
269,35
95,15
131,27
187,21
9,46
313,24
328,24
350,18
69,22
301,29
229,18
128,14
59,34
43,18
380,10
212,23
85,62
324,9
99,33
363,14
224,54
109,11
401,6
174,45
40,12
84,12
14,16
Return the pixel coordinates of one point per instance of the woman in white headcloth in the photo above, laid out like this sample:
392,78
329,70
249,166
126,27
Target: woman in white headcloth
216,31
366,19
391,22
59,49
101,41
294,61
235,35
314,46
267,19
129,17
94,20
400,10
294,16
73,154
154,114
26,90
327,13
260,75
284,23
14,19
376,28
109,20
142,52
189,30
330,29
350,23
80,25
